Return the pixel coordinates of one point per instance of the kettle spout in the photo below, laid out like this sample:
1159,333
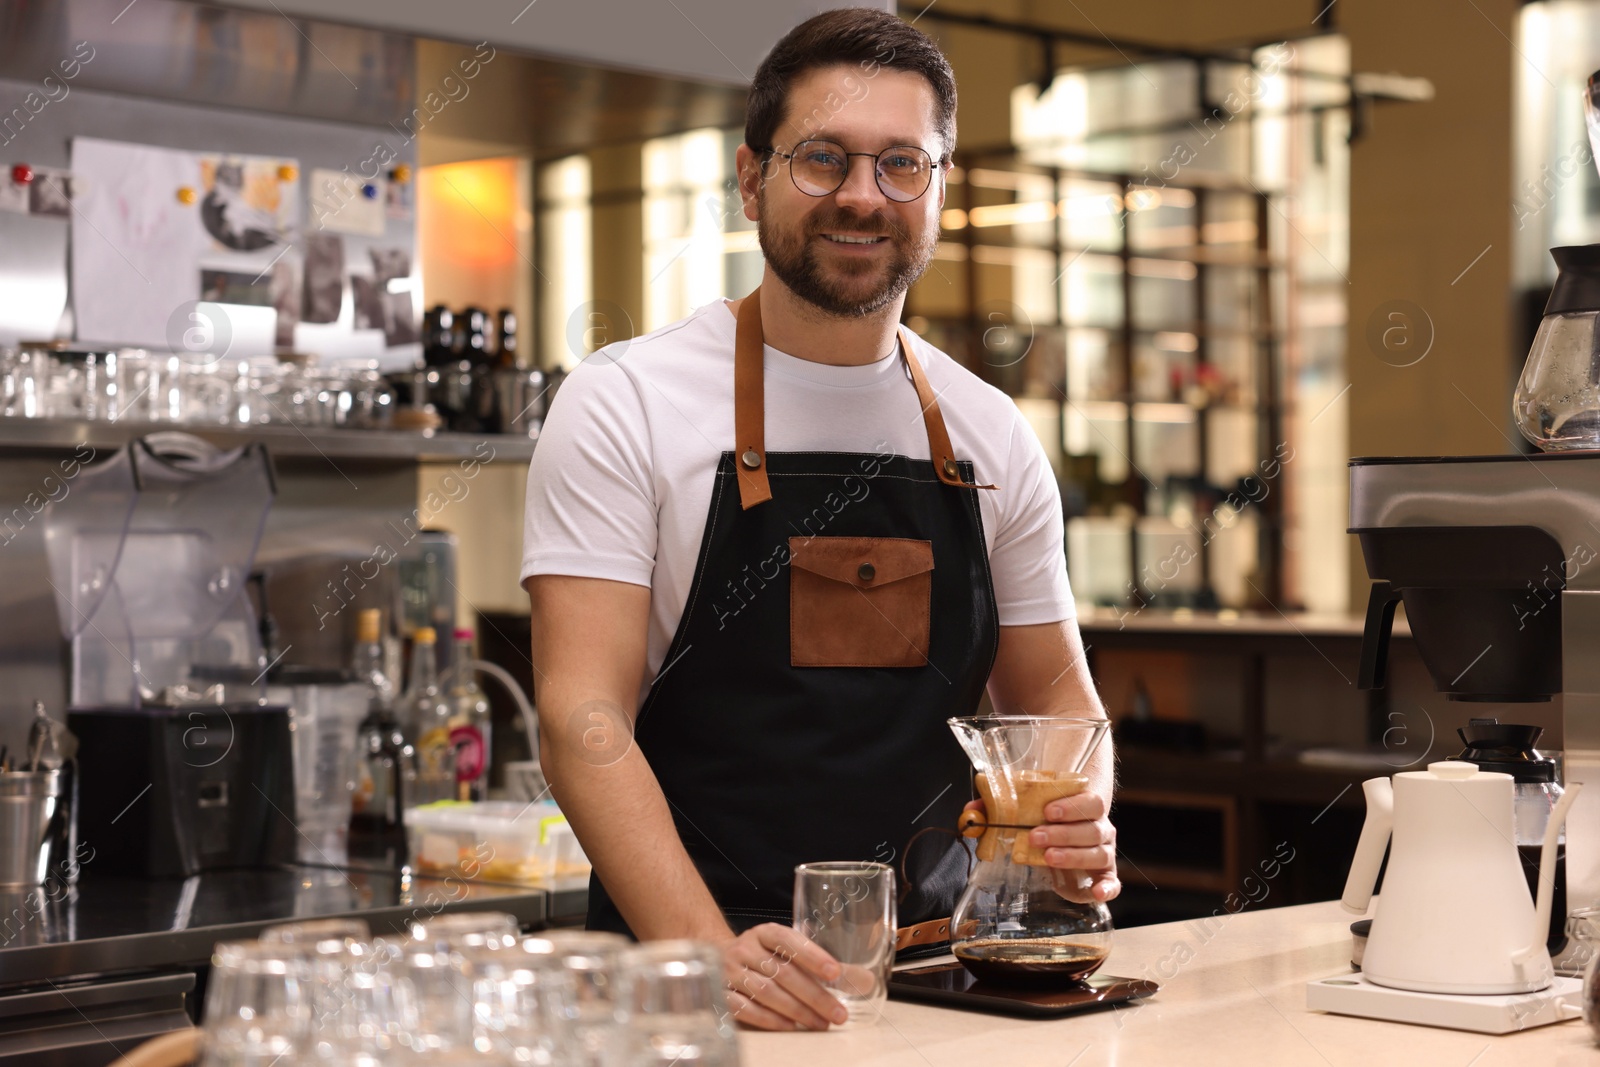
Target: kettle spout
1370,849
1547,876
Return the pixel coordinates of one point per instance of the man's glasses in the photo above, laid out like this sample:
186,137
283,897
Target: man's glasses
818,168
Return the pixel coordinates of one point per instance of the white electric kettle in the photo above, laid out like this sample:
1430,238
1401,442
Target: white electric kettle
1454,915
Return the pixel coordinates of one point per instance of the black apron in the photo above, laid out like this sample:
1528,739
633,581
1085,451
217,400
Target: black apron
839,614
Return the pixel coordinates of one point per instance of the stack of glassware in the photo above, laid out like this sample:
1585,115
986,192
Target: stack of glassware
463,988
58,380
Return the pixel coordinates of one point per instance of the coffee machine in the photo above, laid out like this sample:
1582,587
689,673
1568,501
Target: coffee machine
1497,560
183,766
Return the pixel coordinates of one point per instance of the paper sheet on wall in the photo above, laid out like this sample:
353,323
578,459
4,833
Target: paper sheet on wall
13,197
340,204
251,212
135,248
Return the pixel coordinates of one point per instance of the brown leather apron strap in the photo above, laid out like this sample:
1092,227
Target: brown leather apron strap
750,405
929,933
940,450
750,413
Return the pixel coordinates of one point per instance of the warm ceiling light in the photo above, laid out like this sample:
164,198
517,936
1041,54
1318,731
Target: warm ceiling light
1012,214
1221,233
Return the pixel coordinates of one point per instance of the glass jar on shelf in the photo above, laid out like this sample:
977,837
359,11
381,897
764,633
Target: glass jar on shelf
152,384
208,392
296,400
371,400
24,383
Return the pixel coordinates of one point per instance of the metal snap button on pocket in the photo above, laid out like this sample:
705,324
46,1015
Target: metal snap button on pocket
867,572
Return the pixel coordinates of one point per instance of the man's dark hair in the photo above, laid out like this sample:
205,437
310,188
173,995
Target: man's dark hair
867,39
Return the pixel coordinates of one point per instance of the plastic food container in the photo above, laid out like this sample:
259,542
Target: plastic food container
494,841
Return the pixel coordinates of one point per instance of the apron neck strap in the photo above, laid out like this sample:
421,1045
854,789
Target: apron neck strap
749,409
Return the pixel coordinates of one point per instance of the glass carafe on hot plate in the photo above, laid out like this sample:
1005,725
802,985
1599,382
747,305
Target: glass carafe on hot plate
1018,920
1557,402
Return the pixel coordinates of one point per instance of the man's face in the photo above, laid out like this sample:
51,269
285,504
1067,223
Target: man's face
799,233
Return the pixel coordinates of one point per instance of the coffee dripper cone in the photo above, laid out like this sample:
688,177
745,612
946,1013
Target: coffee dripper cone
1018,920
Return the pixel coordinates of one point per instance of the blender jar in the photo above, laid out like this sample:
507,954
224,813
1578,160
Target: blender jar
1019,921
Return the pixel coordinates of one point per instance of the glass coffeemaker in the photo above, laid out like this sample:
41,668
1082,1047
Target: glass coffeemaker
1019,921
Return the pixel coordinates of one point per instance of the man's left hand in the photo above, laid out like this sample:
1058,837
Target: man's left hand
1078,839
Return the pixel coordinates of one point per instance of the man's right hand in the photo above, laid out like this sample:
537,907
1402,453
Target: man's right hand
775,977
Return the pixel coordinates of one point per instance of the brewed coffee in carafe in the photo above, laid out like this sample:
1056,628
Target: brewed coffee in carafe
1507,748
1019,921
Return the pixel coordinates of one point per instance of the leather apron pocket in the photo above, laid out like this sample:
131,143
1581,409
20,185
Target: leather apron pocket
859,601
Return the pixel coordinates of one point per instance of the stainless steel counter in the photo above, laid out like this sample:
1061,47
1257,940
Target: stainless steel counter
118,925
35,436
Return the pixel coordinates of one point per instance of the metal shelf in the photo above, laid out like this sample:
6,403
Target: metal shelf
24,436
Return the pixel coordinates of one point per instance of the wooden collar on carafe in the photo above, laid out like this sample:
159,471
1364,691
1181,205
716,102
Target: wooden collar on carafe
749,410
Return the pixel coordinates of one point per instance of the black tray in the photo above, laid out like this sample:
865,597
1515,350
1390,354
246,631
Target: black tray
951,985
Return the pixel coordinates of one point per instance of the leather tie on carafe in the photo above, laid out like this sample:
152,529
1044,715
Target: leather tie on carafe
749,410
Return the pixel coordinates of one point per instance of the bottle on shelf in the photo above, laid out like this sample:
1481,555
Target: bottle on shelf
427,722
439,336
473,336
369,661
469,724
377,813
506,340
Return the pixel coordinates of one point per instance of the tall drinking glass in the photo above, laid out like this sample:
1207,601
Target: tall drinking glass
258,1005
518,1003
465,929
672,1007
848,910
589,958
316,931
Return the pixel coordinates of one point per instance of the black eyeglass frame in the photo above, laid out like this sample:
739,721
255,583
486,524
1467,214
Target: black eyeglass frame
940,164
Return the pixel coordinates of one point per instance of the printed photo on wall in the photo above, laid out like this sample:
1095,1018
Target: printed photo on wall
285,286
50,194
234,287
324,290
367,298
247,204
391,270
399,201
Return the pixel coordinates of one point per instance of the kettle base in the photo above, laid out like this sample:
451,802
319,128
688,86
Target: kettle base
1353,994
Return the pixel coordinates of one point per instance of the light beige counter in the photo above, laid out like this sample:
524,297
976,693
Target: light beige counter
1230,998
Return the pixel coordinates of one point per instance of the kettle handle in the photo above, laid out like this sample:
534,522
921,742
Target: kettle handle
1547,875
1370,849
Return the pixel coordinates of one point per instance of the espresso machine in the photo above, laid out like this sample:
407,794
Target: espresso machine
183,765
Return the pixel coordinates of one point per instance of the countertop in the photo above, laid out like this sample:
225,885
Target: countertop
284,441
113,925
1186,622
1230,997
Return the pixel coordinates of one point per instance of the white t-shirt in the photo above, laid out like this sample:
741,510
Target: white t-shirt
621,480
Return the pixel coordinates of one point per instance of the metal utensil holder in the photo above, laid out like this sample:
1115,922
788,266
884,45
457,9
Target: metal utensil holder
37,831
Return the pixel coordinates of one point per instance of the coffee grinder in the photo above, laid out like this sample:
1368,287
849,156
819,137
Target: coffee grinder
183,766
